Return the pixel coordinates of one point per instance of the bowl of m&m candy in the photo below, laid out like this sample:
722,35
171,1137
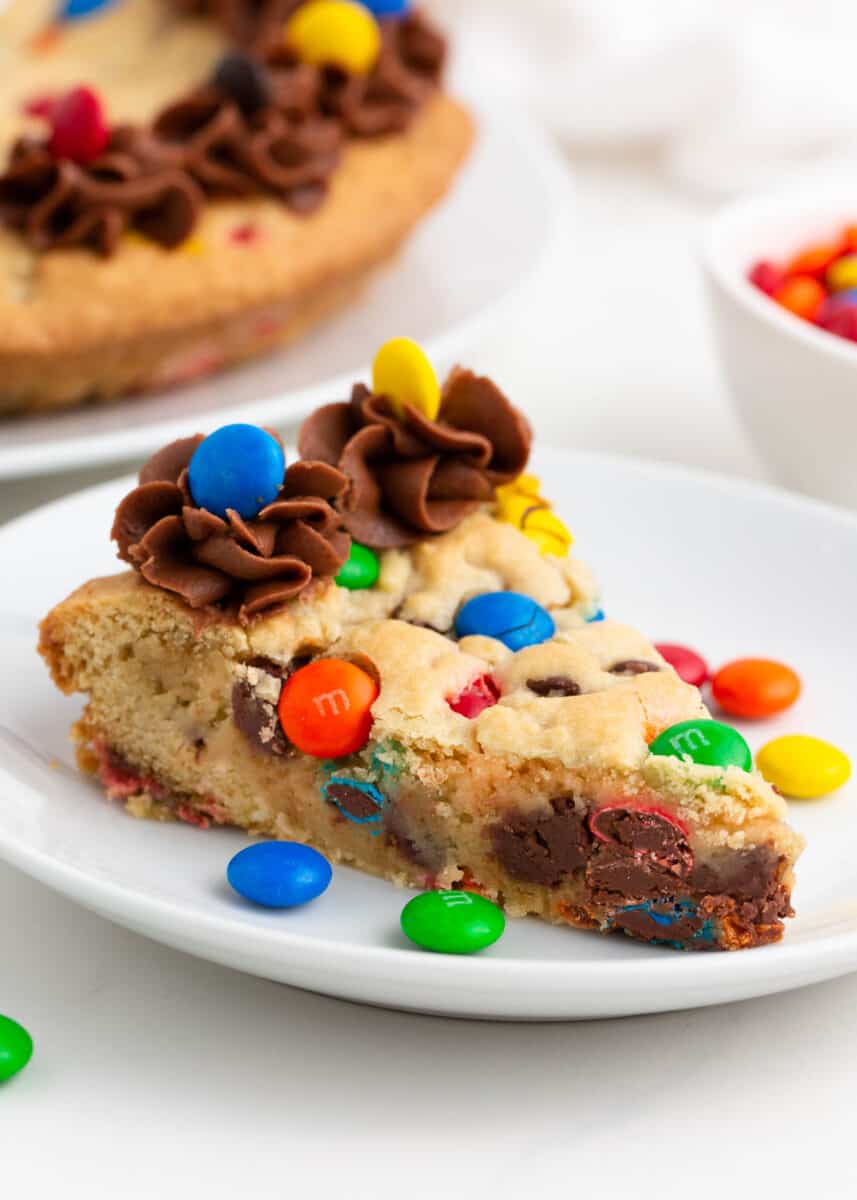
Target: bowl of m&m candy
782,280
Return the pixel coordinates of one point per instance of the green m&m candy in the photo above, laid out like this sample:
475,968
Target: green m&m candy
16,1048
452,922
707,742
360,570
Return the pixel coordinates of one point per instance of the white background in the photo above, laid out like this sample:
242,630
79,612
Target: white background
160,1076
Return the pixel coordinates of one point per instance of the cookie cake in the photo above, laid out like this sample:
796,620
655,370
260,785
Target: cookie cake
188,183
386,649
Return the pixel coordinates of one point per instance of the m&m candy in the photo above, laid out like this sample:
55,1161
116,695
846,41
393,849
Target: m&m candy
16,1048
387,8
79,129
482,693
360,570
817,283
815,260
452,922
842,274
709,743
74,10
279,874
336,33
803,767
802,295
595,617
239,467
766,276
838,315
520,503
687,664
510,617
245,80
548,532
402,372
325,708
755,687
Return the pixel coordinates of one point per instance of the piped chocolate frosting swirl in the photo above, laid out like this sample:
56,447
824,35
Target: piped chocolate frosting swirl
411,477
246,566
265,123
248,22
134,185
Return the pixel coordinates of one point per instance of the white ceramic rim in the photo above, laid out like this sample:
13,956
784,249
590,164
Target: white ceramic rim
536,153
817,199
818,957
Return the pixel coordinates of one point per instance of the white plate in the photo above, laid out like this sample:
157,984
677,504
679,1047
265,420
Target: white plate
454,278
729,567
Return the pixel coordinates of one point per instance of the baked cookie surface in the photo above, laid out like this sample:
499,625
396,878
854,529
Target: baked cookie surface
252,274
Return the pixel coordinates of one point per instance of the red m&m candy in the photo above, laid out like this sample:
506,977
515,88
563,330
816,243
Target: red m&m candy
79,129
766,276
755,687
325,708
476,697
687,664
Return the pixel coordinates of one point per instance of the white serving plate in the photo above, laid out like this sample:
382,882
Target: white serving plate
453,280
729,567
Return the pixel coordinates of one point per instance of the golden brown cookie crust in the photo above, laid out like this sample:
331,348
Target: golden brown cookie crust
493,803
75,327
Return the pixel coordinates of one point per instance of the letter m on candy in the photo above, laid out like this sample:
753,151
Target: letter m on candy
688,740
332,703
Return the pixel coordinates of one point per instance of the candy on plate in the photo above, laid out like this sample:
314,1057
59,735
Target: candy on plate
454,922
279,874
755,687
803,767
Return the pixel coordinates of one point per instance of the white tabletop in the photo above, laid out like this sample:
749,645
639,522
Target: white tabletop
159,1075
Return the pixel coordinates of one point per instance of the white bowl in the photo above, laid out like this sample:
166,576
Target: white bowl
794,385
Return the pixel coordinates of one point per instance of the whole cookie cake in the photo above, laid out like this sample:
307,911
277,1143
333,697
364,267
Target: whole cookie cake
188,183
385,649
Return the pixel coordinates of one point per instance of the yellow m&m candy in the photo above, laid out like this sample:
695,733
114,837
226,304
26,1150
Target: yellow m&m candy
520,503
548,532
524,485
513,507
803,767
403,374
335,32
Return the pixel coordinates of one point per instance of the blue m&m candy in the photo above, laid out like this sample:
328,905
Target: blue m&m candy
279,874
73,10
510,617
387,8
238,466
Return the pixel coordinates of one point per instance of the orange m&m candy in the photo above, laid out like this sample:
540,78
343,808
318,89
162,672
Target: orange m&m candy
801,294
325,708
755,687
815,259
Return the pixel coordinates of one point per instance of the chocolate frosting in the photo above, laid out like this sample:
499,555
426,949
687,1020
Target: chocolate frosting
229,153
411,477
249,22
212,142
251,566
409,66
131,186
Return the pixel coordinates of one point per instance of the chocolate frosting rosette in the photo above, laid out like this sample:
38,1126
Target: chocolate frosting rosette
250,566
264,123
411,476
133,185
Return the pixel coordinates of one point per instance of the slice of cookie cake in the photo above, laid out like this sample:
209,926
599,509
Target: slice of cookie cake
386,650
